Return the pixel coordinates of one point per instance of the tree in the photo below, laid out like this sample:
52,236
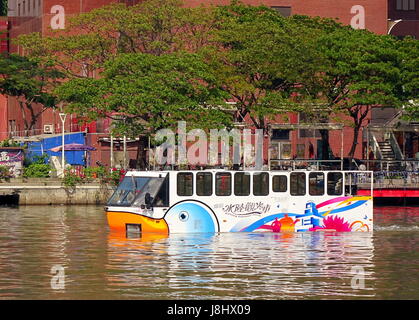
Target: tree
359,70
93,38
248,55
108,36
31,83
3,7
149,93
409,47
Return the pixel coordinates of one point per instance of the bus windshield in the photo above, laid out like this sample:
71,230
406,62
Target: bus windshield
132,190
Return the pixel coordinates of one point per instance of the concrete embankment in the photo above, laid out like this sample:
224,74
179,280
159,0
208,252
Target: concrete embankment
37,191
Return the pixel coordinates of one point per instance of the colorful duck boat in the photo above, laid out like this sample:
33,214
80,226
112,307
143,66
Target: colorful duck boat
166,202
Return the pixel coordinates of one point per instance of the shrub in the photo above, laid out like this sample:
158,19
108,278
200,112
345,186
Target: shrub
37,168
71,179
5,173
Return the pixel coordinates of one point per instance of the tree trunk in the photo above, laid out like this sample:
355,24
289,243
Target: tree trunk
355,139
358,115
142,160
325,144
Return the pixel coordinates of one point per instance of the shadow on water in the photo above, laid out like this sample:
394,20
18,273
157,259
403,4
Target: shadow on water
9,200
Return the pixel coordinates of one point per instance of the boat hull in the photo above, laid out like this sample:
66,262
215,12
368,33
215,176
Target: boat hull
119,221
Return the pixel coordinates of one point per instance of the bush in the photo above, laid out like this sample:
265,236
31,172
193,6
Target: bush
95,173
71,179
5,173
9,143
38,168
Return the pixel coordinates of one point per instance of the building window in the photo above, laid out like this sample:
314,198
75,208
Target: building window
261,184
184,184
298,184
241,184
307,133
204,183
162,197
280,134
18,9
405,5
223,184
301,149
316,183
283,11
23,8
279,183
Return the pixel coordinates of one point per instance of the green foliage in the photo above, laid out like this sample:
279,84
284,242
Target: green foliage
37,168
95,173
104,175
3,7
31,82
149,92
5,173
71,179
9,143
158,62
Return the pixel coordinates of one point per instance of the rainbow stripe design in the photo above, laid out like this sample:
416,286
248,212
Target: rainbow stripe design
343,204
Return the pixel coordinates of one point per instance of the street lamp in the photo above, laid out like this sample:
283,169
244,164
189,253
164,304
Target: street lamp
62,117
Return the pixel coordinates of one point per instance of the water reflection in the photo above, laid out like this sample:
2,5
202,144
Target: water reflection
100,264
245,266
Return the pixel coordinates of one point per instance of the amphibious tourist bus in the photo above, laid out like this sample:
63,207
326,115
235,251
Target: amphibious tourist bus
233,201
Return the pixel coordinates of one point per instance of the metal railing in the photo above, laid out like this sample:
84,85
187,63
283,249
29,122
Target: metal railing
310,164
390,165
395,146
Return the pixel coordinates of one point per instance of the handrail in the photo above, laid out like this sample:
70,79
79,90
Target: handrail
376,146
396,148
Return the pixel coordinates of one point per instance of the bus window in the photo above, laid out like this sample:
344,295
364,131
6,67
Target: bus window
261,184
334,183
298,183
316,183
223,184
184,184
204,183
241,184
162,197
279,183
352,180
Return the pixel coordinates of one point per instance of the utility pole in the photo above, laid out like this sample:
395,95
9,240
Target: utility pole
62,117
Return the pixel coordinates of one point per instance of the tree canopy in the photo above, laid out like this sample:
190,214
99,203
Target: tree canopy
32,83
159,61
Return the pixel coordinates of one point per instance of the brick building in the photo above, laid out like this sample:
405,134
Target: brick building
400,17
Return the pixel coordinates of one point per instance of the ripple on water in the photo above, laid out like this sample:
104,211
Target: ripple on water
103,265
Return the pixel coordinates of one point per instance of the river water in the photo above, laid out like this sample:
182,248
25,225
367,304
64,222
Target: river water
68,252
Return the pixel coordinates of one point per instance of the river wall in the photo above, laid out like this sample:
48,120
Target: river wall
39,191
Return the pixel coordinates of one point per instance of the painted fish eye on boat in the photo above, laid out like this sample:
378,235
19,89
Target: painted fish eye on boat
183,216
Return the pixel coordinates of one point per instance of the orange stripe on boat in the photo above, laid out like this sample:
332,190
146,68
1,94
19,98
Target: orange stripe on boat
118,221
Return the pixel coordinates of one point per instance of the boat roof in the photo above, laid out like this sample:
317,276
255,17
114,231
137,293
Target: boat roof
157,173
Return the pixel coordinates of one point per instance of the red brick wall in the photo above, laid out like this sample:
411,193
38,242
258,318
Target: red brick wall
285,3
404,27
375,11
3,116
375,20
